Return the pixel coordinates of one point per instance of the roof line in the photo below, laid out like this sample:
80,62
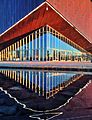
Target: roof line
55,11
68,21
22,19
69,39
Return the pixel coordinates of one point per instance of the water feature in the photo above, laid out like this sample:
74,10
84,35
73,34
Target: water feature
46,91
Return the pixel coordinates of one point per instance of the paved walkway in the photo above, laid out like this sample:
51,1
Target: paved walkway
52,65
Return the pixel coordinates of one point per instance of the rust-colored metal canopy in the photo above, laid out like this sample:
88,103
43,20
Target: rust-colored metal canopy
45,15
78,12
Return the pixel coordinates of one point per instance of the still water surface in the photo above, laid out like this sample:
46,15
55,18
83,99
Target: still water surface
44,83
49,90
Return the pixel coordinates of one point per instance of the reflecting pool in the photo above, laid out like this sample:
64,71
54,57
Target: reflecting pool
44,83
43,90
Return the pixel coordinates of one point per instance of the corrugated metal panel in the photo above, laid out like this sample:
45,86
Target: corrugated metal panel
12,11
78,12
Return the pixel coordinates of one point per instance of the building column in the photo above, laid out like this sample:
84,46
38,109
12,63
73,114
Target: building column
26,48
55,46
32,46
29,50
5,54
10,53
23,49
35,45
15,46
2,55
47,42
20,50
43,50
39,44
45,46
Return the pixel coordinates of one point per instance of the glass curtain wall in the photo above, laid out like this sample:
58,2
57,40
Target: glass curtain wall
44,44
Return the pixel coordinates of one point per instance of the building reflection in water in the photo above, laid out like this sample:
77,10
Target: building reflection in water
44,83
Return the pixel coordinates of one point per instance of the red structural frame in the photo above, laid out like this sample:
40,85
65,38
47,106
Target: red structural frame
78,12
41,17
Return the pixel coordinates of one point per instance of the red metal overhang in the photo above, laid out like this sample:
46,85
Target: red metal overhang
41,17
78,12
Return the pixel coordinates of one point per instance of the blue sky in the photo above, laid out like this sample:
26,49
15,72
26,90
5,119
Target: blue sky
12,11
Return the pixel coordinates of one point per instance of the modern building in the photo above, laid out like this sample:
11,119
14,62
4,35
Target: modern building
44,35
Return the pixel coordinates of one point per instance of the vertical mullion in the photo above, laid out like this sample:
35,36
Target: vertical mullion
39,45
26,48
29,47
46,41
55,47
47,46
32,46
15,50
43,44
4,54
35,45
10,53
21,50
49,43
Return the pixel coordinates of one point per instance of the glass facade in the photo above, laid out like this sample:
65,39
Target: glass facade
43,83
44,44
